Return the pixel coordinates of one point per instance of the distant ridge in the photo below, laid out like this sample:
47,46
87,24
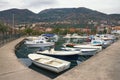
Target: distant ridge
71,14
79,15
21,15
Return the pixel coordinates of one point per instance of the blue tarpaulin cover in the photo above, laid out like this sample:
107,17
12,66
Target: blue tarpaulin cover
48,35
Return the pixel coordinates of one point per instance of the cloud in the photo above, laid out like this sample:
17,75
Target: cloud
39,3
2,3
106,6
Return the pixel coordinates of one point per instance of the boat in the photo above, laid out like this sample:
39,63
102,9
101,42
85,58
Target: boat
66,55
83,51
51,37
30,38
49,63
38,43
83,46
88,46
104,43
97,42
74,38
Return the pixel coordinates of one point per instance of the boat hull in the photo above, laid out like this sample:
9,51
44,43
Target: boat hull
53,69
83,51
40,45
45,62
65,55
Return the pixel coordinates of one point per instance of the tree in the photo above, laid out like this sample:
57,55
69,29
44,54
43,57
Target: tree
56,30
3,28
105,30
3,31
28,31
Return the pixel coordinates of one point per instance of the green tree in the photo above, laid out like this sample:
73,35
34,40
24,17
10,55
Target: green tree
105,30
28,31
56,30
3,31
3,28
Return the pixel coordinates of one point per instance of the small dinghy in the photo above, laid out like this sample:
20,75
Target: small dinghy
49,63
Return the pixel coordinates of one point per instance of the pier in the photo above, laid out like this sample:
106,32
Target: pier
103,66
12,69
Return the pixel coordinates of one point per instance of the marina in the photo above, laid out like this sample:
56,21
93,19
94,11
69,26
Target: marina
59,40
109,57
23,51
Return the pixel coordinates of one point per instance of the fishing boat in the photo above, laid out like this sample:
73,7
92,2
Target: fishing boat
38,43
66,55
49,63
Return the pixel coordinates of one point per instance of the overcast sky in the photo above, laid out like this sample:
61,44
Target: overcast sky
105,6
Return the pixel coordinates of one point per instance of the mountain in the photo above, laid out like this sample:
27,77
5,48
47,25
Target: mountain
73,15
115,16
20,15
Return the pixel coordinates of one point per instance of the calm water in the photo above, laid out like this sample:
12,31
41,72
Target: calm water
22,53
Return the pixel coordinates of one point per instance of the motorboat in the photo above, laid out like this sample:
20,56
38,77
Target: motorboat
30,38
83,51
38,43
97,42
49,63
88,46
51,37
66,55
83,46
104,43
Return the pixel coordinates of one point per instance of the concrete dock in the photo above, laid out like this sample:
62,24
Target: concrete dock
12,69
103,66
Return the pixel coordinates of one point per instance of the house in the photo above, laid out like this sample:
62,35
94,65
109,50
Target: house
48,29
115,30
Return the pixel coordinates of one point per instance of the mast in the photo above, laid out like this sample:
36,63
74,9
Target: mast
13,22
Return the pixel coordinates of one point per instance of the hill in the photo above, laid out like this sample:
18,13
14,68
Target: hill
20,15
73,15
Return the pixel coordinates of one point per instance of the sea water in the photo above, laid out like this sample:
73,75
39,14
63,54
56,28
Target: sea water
22,53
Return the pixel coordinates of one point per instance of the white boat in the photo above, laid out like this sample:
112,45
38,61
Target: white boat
88,46
82,46
83,51
97,42
104,37
49,63
51,37
66,55
38,43
74,38
104,43
30,38
60,53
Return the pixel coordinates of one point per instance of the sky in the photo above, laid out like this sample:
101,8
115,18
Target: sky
105,6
